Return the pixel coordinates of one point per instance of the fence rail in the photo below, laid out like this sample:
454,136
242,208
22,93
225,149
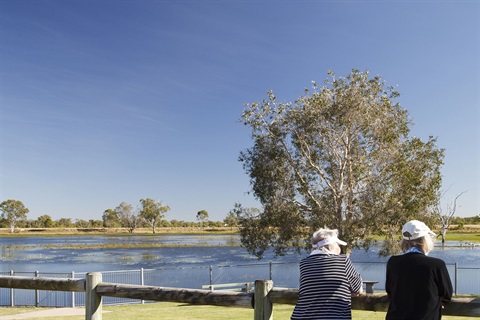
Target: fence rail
262,299
192,296
55,284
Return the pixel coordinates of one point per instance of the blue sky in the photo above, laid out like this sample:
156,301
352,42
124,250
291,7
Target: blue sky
103,102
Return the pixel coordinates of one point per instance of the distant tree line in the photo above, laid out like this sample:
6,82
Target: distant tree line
148,214
459,222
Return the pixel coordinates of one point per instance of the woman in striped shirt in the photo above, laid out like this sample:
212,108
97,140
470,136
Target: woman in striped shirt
327,280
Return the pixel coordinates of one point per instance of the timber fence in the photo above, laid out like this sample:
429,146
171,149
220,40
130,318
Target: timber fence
262,299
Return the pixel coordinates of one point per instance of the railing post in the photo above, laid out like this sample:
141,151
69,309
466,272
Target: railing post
211,275
263,306
142,281
93,301
270,270
73,292
37,300
12,295
456,275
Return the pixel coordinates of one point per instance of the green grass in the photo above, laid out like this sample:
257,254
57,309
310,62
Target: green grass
170,310
467,237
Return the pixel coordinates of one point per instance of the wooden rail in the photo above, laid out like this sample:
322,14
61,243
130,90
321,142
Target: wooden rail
192,296
262,301
54,284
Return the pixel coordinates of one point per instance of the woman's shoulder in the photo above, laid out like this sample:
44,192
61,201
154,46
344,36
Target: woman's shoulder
396,258
415,256
330,257
437,261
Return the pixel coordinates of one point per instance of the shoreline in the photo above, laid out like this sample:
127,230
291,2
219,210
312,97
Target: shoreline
468,233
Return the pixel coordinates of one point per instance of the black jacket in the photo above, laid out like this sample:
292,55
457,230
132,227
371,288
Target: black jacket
417,286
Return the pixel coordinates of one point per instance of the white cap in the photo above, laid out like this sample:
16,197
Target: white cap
415,229
327,241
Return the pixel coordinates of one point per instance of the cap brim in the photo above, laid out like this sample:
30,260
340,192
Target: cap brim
343,243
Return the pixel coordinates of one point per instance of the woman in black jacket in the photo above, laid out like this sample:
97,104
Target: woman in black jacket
418,286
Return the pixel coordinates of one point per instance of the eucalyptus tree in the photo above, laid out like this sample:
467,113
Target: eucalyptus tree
64,223
110,219
45,221
445,218
231,219
129,218
340,156
153,212
13,211
202,216
82,223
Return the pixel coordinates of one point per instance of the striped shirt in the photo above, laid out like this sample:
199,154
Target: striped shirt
326,284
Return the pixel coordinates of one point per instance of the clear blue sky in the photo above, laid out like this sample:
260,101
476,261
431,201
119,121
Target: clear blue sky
103,102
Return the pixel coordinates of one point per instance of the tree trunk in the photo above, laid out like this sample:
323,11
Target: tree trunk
444,232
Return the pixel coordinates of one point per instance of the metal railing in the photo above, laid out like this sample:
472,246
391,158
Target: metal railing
286,275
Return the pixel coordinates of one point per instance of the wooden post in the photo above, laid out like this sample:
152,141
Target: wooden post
93,301
263,306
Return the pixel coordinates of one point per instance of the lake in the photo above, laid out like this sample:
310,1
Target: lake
39,253
190,261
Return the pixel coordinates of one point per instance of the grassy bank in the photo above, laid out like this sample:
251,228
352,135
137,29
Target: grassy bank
454,231
462,236
467,233
168,310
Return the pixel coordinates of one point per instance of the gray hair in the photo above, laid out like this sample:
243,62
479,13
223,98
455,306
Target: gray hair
322,234
424,243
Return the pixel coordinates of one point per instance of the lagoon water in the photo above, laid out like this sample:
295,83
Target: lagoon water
48,254
190,261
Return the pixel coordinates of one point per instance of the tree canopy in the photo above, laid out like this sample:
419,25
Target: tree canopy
231,219
45,221
128,217
153,212
13,211
340,156
110,219
202,216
